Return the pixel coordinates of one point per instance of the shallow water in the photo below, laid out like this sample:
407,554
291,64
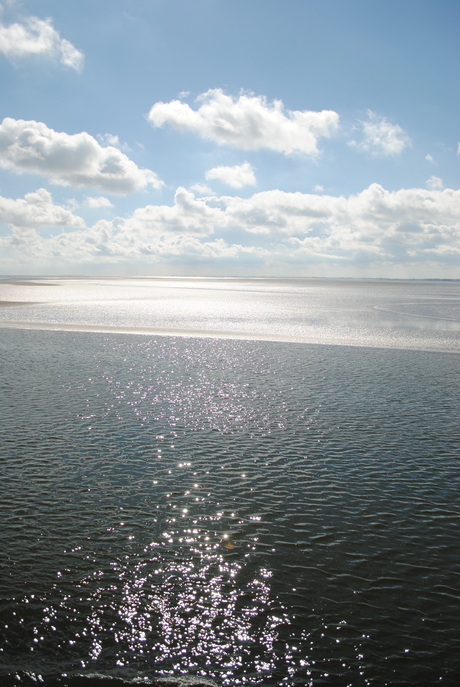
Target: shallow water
251,512
422,315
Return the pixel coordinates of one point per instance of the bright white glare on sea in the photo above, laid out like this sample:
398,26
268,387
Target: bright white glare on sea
423,315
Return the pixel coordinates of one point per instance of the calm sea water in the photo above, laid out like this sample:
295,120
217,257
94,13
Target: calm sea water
239,510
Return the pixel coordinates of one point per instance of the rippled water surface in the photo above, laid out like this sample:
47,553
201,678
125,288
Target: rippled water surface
250,512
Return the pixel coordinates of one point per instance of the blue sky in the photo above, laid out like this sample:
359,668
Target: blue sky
313,138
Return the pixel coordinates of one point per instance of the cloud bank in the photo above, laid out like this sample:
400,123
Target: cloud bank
37,37
248,122
69,159
236,177
289,231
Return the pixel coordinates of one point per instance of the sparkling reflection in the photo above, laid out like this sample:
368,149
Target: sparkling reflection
181,605
255,513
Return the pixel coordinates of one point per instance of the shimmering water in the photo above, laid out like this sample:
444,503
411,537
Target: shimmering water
421,315
244,511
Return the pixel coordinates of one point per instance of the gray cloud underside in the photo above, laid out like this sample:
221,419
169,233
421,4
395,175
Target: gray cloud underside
377,226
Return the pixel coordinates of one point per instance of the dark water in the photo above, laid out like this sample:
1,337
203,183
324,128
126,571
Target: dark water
246,512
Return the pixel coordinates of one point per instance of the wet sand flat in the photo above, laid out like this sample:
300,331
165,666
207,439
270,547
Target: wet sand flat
14,304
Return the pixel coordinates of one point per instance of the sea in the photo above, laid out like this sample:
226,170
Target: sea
229,482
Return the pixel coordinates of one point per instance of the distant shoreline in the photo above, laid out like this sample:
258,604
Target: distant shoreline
24,280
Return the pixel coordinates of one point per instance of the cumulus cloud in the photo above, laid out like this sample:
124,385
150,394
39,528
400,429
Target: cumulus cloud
248,122
98,202
201,189
114,141
236,177
188,215
36,210
430,158
380,137
69,159
435,183
373,228
37,37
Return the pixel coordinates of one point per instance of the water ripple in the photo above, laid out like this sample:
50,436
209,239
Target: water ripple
243,512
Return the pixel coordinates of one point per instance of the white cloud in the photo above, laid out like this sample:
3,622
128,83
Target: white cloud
248,122
37,37
37,210
114,141
69,159
430,158
458,149
188,215
201,189
380,137
236,177
99,202
435,183
318,188
375,228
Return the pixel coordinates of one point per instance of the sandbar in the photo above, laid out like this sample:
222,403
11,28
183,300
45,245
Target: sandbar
15,304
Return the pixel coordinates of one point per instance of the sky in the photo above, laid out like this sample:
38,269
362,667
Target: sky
314,138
